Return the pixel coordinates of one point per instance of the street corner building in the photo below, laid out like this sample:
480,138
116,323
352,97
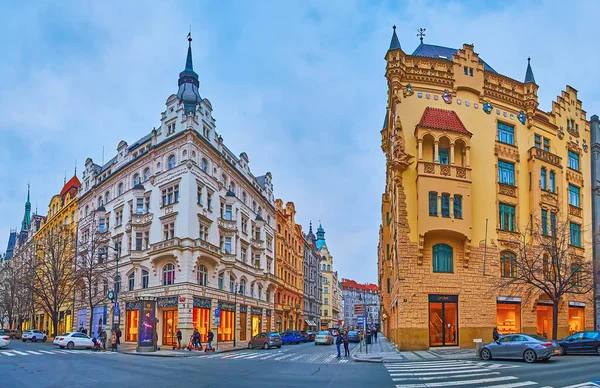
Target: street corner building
361,304
469,158
180,218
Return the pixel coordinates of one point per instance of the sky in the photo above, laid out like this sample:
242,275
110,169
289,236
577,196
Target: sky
298,85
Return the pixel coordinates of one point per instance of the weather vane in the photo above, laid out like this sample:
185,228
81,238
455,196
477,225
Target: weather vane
421,33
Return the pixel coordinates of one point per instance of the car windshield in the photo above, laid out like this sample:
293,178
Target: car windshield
538,337
274,334
323,333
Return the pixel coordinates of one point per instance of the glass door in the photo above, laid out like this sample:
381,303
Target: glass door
169,327
443,320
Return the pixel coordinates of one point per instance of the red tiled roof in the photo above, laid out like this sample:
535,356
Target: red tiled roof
347,283
443,119
73,183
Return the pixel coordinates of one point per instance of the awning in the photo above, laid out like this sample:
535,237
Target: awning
308,322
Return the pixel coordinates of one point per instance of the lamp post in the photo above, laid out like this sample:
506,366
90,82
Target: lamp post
235,292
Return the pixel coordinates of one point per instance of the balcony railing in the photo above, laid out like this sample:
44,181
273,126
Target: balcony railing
165,244
227,225
444,171
258,244
208,247
545,156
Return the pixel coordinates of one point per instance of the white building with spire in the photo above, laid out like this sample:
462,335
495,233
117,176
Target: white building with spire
189,223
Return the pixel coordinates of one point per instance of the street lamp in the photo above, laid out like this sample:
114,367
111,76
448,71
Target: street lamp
235,293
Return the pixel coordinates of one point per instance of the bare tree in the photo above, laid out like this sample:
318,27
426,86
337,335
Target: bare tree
50,271
548,260
92,269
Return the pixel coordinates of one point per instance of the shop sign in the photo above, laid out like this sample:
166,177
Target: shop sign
169,301
182,299
243,309
255,310
202,303
443,298
545,302
268,313
227,306
132,305
576,304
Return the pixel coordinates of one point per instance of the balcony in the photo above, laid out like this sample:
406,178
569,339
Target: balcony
545,156
444,171
508,190
228,257
136,256
575,211
141,219
165,244
208,247
258,245
227,225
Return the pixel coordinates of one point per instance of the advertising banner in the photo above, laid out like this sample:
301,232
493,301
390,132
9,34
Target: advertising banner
147,324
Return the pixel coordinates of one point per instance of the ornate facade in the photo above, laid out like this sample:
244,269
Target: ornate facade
189,223
469,156
330,308
313,282
360,301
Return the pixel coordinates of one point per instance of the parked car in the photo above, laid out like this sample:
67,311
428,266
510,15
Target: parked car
582,342
4,340
33,336
15,334
73,340
334,332
291,337
265,341
354,336
324,337
311,335
305,336
528,347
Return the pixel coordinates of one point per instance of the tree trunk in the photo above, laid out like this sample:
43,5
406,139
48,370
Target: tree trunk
555,320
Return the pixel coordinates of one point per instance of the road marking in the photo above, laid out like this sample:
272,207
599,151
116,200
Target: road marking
450,372
424,363
428,378
330,358
47,352
513,385
32,352
269,356
9,354
284,356
443,368
21,353
254,356
459,383
344,361
296,358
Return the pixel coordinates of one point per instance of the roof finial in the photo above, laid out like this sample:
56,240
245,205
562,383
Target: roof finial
189,37
395,43
421,33
65,178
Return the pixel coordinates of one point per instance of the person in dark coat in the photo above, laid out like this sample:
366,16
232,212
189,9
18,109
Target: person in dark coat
179,338
338,343
211,336
118,336
496,334
346,344
103,338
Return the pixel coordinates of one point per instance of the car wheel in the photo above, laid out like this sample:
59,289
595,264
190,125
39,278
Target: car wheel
529,356
485,354
250,346
278,346
24,340
562,350
266,346
34,339
45,338
70,345
598,350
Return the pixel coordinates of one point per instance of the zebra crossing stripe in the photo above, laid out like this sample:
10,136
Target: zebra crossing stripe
47,352
296,358
427,363
461,382
284,356
328,359
20,353
344,361
437,373
9,354
417,370
32,352
428,378
514,385
269,356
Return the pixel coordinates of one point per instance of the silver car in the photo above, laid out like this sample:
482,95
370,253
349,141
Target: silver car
265,341
528,347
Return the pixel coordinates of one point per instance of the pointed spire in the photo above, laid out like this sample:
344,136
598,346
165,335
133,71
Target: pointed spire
189,66
188,82
385,120
26,223
395,43
310,227
529,74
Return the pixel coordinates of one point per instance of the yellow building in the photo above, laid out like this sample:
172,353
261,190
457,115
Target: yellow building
62,212
289,269
330,307
469,159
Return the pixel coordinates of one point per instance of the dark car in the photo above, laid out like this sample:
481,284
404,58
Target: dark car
305,336
291,337
581,342
265,341
15,334
354,336
312,335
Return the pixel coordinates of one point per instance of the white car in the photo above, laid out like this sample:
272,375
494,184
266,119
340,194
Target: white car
34,336
73,340
4,340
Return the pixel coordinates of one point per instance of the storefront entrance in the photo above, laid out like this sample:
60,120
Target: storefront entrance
243,323
544,320
256,324
201,321
268,321
169,327
576,317
131,330
443,320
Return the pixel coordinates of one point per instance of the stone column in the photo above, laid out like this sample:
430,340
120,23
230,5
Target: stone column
420,154
452,154
185,317
436,150
468,163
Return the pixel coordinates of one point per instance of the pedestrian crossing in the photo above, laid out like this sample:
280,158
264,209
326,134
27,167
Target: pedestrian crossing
454,373
279,356
6,353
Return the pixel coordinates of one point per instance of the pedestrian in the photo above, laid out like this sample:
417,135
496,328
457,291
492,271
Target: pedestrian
179,338
118,336
338,343
103,339
346,341
197,343
211,336
374,334
113,341
496,334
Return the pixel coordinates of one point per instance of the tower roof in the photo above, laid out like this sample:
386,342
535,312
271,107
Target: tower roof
320,237
443,119
432,51
385,119
395,43
529,73
26,223
188,83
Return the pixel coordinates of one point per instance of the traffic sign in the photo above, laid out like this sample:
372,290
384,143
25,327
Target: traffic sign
217,321
217,312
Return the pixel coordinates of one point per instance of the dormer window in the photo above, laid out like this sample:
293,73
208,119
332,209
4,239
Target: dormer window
205,131
171,162
171,128
204,165
146,174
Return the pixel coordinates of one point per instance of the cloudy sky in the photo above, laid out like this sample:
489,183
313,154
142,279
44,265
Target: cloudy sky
298,85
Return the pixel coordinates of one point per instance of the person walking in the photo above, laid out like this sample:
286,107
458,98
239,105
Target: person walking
374,334
197,343
118,336
496,334
338,343
211,336
178,338
346,344
113,341
103,339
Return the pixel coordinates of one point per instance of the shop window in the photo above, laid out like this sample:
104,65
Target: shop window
544,320
576,319
201,320
256,324
226,326
508,318
243,326
131,329
442,258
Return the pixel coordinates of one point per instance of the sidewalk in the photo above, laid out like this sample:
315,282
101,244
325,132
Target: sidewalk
167,351
385,351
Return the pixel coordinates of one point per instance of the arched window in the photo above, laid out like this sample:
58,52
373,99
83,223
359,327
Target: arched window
221,281
100,201
508,265
120,188
324,267
232,283
131,281
244,197
543,178
442,258
328,267
145,279
136,179
259,292
146,174
171,162
204,165
243,287
202,275
106,197
168,274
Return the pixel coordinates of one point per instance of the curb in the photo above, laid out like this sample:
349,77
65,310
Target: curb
176,355
374,360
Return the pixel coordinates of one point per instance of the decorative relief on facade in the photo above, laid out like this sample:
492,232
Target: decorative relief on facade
488,107
461,172
429,168
508,190
165,244
575,177
227,306
575,211
202,303
208,247
545,156
227,225
141,219
445,170
550,198
506,151
169,301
